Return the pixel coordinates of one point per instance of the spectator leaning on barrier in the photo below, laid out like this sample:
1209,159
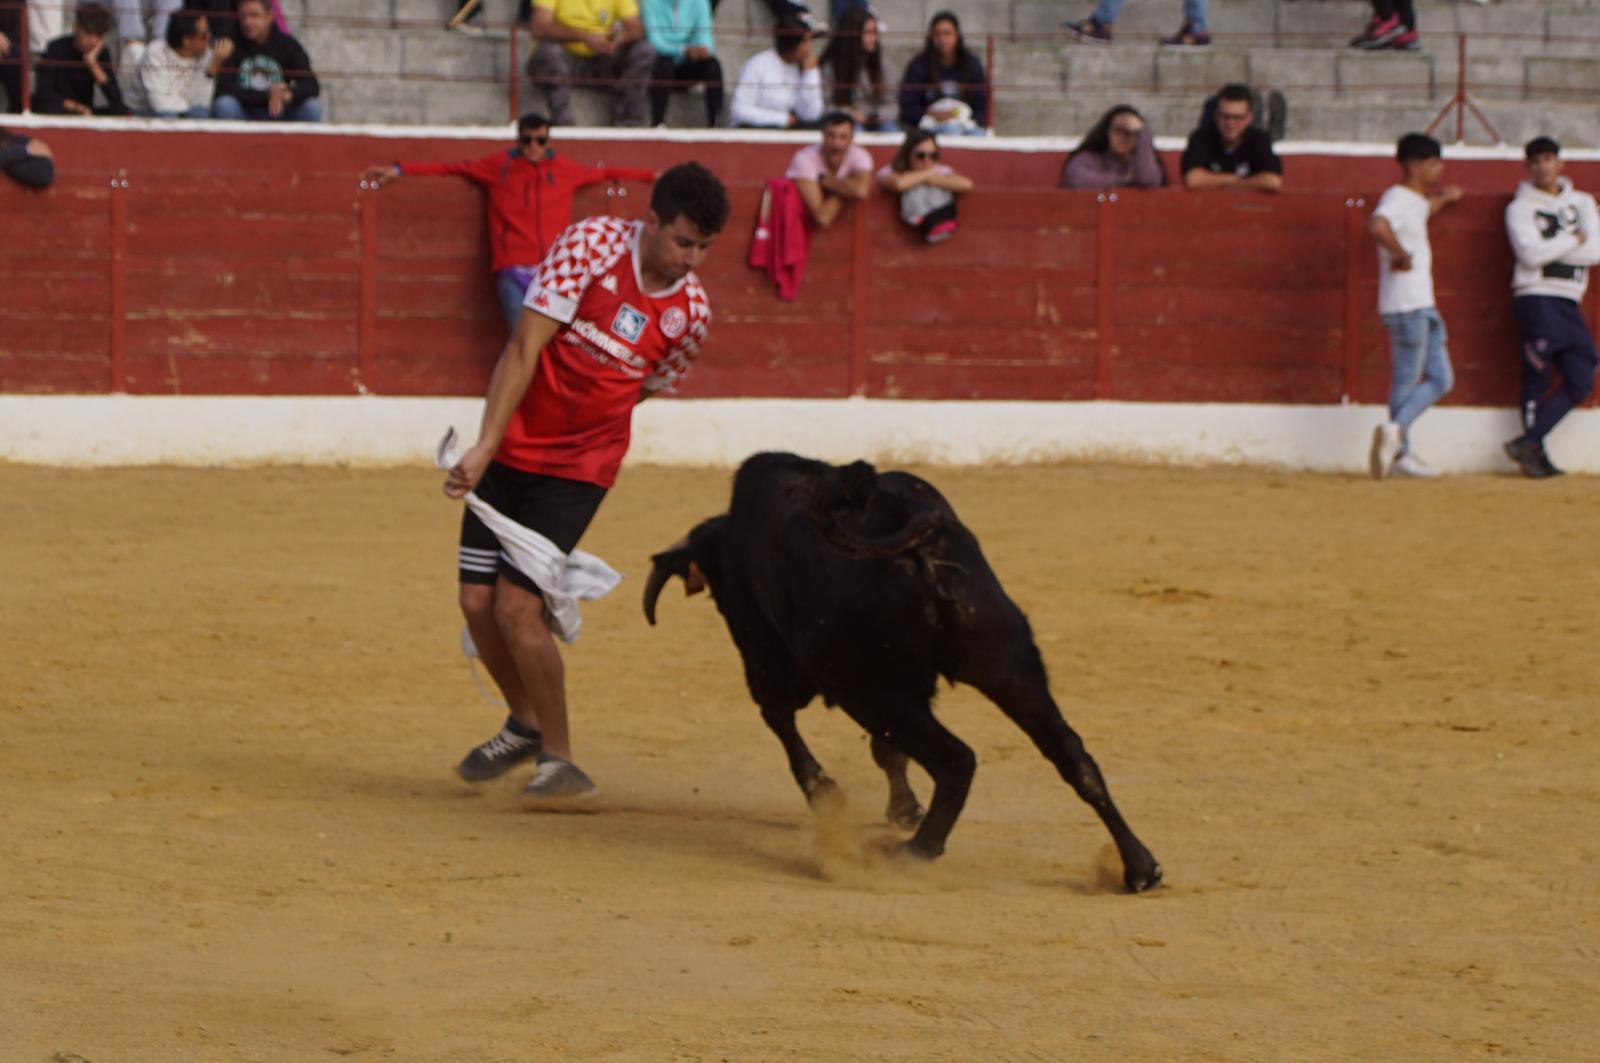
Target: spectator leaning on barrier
74,67
927,187
26,160
1420,371
680,34
596,41
944,88
1555,233
853,66
530,191
1230,152
780,88
829,174
1119,151
268,77
1096,29
175,78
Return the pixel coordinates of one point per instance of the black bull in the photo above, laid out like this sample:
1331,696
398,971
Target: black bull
866,588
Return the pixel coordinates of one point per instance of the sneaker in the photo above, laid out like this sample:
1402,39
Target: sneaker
1530,456
1377,30
1409,464
1385,449
558,780
941,232
1188,38
1406,42
497,756
1382,34
472,27
1089,31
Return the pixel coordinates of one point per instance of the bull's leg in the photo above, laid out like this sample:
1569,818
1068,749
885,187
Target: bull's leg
1021,690
814,782
909,726
904,811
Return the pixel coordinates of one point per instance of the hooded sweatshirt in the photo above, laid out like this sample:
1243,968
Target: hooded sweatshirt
1544,232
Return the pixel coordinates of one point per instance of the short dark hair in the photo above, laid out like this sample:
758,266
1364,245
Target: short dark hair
837,118
532,120
1541,146
93,18
691,191
788,33
1234,92
181,26
1416,147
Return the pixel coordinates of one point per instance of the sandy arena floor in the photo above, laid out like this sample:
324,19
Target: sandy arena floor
1356,722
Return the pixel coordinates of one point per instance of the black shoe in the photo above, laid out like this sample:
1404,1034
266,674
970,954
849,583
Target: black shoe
1530,458
498,755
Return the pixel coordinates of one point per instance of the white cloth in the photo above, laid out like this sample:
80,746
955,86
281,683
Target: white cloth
168,82
769,89
1544,232
1400,291
564,579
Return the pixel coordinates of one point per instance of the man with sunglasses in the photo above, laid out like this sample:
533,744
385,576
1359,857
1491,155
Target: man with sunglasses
530,191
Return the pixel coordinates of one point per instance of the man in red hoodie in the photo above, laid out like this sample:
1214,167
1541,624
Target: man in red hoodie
530,201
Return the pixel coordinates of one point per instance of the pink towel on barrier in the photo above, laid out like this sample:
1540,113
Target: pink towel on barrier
782,240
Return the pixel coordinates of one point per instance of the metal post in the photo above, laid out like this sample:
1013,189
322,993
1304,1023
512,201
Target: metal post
118,376
988,75
858,300
1104,268
1354,246
367,288
27,61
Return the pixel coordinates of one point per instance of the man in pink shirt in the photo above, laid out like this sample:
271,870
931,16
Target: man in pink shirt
828,174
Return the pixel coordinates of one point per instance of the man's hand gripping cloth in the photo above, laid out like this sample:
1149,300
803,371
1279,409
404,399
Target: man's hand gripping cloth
564,579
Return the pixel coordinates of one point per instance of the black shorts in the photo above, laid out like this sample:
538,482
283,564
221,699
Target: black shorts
558,509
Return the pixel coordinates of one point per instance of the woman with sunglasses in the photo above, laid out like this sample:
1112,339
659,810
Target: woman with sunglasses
1117,152
927,187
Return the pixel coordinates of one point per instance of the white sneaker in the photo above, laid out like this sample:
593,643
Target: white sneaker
1385,449
1411,465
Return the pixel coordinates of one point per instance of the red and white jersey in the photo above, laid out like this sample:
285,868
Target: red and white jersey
618,341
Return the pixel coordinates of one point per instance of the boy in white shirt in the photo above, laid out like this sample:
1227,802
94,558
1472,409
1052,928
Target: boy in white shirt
1420,372
1555,232
780,88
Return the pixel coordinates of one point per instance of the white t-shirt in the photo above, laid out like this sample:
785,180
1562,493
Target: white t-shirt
1407,214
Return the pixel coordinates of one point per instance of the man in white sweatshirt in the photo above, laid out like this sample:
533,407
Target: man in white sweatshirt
1555,233
176,77
780,88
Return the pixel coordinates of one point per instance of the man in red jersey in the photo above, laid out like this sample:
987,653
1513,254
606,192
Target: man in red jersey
530,192
614,314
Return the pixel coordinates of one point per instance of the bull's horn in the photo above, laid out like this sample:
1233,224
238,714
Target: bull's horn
659,574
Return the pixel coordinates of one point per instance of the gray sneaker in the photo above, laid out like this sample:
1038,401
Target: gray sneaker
558,780
497,756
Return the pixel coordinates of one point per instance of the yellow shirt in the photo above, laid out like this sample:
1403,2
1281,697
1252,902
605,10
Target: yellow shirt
594,16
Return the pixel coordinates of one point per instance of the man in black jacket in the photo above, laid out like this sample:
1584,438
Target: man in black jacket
269,76
73,67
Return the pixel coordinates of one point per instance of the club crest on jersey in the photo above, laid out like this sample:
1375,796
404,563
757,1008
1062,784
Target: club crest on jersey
629,323
673,322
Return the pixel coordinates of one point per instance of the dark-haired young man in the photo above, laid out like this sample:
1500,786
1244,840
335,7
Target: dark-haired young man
829,174
1420,370
269,77
1231,152
72,68
614,315
1555,233
530,191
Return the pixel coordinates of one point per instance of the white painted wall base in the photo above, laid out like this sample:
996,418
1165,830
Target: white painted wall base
109,430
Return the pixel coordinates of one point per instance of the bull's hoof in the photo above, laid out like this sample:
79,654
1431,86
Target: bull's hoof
824,796
922,851
1141,878
907,816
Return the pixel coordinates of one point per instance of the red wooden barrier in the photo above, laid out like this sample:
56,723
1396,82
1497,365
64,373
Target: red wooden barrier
292,280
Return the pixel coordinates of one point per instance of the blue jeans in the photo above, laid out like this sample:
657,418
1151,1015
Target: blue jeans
511,285
230,108
1194,13
1421,373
